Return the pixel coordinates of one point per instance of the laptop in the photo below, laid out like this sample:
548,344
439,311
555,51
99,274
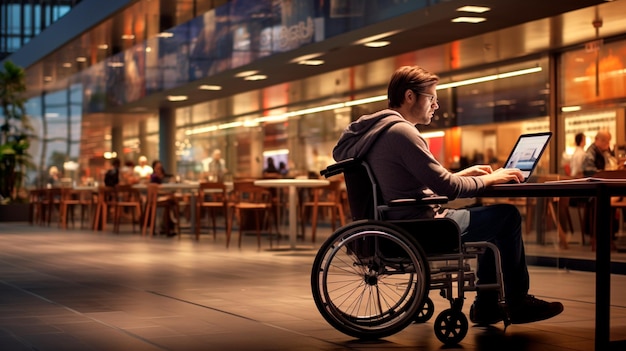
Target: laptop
527,151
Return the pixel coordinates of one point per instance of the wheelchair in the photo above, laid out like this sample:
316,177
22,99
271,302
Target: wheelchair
372,277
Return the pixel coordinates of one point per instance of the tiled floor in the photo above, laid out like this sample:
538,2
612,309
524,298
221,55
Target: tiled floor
80,290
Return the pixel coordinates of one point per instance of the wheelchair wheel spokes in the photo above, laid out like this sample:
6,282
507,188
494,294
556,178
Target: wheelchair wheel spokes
369,282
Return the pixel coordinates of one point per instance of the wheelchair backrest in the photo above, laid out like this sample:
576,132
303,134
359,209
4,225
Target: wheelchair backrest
363,192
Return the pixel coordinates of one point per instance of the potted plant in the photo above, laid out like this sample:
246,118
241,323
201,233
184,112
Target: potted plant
15,136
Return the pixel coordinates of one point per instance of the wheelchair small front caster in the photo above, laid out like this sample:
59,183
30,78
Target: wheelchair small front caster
451,326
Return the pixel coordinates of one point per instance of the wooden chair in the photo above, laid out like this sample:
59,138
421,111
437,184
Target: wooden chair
251,199
155,199
51,199
103,206
69,201
126,197
212,197
35,198
327,197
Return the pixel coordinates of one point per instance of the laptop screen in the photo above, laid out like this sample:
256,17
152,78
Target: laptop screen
527,151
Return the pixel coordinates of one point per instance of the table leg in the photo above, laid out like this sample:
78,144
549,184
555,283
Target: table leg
603,270
292,217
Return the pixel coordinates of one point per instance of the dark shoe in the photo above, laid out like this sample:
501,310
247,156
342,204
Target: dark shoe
531,309
486,313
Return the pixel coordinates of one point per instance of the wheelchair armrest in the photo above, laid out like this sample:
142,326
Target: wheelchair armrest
339,167
431,200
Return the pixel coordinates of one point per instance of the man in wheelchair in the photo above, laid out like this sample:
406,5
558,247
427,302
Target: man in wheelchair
404,167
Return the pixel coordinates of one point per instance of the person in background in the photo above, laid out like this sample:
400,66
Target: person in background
270,168
143,170
112,176
127,175
598,154
282,169
168,217
54,177
402,163
578,157
159,175
215,166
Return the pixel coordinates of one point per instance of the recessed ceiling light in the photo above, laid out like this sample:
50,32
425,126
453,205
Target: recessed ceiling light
81,59
469,19
128,36
376,37
473,9
306,57
103,46
256,77
177,97
67,65
165,35
210,87
47,79
377,44
115,64
246,74
311,62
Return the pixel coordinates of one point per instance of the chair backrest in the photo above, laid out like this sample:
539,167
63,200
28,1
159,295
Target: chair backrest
246,191
215,190
363,191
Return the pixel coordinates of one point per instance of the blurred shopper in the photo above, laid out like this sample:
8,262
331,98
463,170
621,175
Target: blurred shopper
143,170
598,155
576,162
112,176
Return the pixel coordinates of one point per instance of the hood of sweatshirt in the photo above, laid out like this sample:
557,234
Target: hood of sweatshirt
360,135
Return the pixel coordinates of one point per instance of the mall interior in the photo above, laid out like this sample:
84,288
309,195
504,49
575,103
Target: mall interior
174,80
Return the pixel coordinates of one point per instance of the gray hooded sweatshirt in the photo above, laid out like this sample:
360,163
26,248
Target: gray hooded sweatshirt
401,160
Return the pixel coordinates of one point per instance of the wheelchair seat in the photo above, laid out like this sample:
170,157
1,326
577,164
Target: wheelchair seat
370,279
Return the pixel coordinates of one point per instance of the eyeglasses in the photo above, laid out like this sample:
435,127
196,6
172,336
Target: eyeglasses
432,98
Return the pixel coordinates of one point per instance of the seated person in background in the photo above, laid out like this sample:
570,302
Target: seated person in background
143,170
54,177
158,175
405,168
168,218
112,176
271,170
598,154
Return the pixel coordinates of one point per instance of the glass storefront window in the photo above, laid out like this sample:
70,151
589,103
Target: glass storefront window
593,74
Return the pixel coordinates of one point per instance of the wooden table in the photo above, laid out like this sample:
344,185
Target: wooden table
601,190
293,185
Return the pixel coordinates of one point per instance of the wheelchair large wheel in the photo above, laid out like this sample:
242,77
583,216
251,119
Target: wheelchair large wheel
369,279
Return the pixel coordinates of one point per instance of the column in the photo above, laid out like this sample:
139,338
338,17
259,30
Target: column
167,138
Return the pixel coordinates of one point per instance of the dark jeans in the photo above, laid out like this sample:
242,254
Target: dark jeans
500,224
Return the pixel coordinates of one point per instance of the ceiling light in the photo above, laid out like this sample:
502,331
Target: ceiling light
473,9
311,62
81,59
489,78
67,65
165,35
148,49
376,37
469,19
570,108
177,97
115,64
377,44
128,36
306,57
256,77
103,46
246,74
210,87
47,79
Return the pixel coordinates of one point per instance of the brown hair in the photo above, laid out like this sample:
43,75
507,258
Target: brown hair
408,77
